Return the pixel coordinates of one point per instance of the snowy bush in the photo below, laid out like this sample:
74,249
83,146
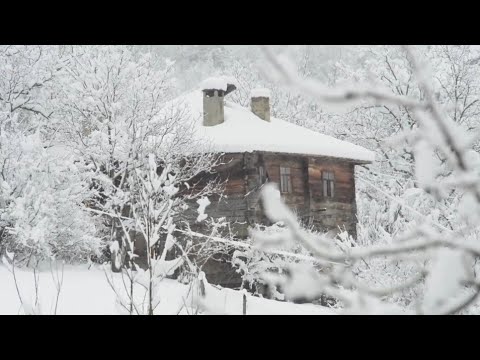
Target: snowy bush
256,266
253,263
43,214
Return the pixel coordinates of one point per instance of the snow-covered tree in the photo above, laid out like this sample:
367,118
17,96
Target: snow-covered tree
43,211
116,112
442,162
42,193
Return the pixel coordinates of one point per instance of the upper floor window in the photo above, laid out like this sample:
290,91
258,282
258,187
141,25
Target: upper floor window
261,174
285,180
328,179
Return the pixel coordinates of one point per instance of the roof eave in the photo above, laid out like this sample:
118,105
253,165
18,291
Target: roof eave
355,161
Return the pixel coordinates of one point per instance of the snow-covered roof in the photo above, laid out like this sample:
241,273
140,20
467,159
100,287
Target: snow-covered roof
260,92
243,131
218,83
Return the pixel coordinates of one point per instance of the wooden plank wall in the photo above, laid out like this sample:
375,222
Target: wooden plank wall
232,203
241,204
241,200
306,198
298,200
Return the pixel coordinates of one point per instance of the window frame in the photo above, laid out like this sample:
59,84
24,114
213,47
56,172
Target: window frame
285,180
328,184
262,174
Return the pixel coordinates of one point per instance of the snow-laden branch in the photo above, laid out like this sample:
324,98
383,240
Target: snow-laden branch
436,145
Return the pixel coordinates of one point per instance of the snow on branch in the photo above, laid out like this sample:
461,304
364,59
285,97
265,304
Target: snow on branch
439,145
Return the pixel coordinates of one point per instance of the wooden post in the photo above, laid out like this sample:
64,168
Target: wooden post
201,278
244,302
202,288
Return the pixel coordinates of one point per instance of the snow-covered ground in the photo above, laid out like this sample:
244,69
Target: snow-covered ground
86,291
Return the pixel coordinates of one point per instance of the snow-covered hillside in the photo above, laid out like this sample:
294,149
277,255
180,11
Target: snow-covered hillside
87,292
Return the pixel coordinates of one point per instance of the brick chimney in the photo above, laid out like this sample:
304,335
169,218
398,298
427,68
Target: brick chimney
260,103
214,90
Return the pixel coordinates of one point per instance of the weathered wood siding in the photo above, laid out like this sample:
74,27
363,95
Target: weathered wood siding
240,202
232,203
306,198
298,200
241,206
341,209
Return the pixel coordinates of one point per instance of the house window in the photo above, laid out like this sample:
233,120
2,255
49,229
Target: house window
328,183
285,180
261,174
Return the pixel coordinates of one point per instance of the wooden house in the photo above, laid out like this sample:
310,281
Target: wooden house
315,173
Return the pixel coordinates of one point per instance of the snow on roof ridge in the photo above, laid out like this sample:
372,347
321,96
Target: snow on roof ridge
236,106
260,92
218,82
243,131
